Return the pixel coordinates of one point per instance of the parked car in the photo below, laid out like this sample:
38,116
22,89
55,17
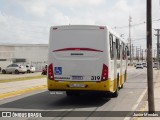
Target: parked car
30,69
144,64
155,65
14,68
139,65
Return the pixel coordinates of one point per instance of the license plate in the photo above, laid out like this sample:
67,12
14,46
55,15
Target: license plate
77,85
77,77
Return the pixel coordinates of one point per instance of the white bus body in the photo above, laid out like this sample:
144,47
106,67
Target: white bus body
80,59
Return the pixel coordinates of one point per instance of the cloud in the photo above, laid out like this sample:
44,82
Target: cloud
59,19
76,3
14,30
41,14
40,7
33,7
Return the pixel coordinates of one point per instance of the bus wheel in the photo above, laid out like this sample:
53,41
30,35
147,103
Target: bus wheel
121,86
115,94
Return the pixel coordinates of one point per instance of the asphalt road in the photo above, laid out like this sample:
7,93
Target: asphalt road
128,100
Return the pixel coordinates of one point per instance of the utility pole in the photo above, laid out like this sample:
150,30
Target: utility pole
132,53
154,55
142,55
137,53
129,39
151,106
158,49
146,55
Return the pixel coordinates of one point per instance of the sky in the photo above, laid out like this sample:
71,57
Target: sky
28,21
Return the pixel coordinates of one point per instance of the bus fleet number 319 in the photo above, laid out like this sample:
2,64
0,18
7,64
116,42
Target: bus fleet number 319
95,77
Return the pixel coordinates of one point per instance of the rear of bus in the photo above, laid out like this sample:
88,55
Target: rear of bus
77,59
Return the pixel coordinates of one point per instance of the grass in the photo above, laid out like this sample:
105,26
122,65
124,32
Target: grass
22,78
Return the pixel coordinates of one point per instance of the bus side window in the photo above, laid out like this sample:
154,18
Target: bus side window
118,48
127,51
123,51
120,54
111,46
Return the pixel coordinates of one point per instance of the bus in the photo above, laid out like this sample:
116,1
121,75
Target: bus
85,58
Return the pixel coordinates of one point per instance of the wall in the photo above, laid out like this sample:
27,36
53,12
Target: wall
34,54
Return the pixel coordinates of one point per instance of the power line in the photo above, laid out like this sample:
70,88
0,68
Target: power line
138,39
141,38
134,25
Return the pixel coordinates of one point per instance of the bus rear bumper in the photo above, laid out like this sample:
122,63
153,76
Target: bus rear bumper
82,86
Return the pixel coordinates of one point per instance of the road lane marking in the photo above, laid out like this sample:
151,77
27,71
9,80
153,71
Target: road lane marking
19,92
137,103
139,100
142,110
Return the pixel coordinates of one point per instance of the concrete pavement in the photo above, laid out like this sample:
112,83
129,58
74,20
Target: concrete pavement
144,102
10,89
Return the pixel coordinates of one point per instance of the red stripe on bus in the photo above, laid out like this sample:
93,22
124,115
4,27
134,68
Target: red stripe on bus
77,49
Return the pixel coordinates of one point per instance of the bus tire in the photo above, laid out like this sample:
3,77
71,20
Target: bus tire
115,94
121,86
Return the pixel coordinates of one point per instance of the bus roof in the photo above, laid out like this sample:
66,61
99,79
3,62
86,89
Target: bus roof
65,27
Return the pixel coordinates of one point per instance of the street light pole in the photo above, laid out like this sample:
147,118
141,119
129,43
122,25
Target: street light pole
151,106
129,39
140,54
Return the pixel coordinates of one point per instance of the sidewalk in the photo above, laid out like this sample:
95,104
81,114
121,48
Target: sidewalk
156,99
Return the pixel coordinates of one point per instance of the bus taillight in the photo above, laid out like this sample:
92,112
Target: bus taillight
50,72
104,73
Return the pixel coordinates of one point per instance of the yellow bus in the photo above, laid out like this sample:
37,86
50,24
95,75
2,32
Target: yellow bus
86,58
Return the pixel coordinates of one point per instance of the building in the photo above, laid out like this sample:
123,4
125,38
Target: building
33,54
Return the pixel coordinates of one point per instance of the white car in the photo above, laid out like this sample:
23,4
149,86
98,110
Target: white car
14,68
144,64
155,65
30,69
139,65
